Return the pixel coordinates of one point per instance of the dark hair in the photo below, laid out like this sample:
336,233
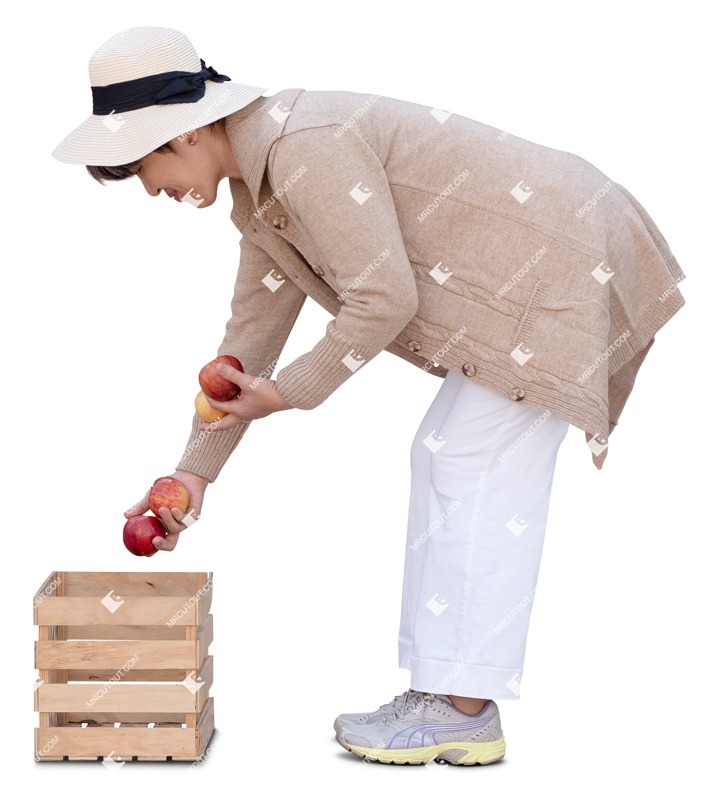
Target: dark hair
103,173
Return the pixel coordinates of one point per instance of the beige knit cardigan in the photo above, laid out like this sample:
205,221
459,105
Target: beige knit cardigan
442,240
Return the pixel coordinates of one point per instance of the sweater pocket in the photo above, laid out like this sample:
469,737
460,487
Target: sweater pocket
565,340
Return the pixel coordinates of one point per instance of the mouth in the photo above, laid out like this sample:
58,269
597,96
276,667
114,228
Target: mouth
174,194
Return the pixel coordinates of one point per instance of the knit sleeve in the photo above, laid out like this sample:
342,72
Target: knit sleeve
265,305
339,196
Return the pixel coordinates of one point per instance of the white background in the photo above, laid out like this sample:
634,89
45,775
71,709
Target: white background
112,301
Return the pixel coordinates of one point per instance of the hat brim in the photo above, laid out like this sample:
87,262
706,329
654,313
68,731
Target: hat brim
118,139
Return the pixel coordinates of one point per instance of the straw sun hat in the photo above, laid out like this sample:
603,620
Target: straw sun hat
148,86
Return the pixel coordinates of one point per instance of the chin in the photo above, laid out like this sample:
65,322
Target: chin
196,195
207,203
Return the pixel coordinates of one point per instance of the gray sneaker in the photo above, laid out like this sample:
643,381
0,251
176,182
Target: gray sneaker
350,719
425,727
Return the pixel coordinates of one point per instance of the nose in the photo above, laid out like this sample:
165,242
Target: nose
149,188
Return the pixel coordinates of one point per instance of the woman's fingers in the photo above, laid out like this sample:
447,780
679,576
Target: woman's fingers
259,398
170,521
166,544
139,508
226,423
241,379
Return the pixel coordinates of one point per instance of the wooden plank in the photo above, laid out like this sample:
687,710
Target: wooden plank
115,608
91,742
205,726
204,598
46,635
135,583
123,632
190,635
47,589
129,698
206,677
44,751
127,719
118,654
197,607
61,636
205,636
100,675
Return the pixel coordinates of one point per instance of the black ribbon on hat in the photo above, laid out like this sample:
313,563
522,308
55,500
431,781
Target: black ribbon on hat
162,89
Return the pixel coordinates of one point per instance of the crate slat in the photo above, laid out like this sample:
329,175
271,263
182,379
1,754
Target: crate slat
118,654
133,632
136,583
205,636
125,742
53,586
99,676
128,698
131,698
205,725
136,719
115,654
145,610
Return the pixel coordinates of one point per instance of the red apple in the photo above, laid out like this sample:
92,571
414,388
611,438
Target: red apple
138,532
215,386
167,492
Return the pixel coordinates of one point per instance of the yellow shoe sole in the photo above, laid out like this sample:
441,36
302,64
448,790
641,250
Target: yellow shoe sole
458,753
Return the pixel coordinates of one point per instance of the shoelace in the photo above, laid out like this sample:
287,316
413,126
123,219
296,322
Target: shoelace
391,705
412,701
386,707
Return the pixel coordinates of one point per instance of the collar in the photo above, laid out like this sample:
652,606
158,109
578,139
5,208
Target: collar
252,131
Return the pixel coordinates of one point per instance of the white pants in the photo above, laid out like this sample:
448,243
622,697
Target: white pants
482,470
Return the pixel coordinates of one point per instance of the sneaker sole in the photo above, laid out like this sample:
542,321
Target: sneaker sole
456,753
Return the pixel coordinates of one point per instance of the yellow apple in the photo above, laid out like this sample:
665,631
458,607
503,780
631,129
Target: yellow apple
205,411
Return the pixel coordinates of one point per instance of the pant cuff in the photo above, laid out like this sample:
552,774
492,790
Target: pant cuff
462,679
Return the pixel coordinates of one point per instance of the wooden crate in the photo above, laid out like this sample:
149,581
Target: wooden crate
124,666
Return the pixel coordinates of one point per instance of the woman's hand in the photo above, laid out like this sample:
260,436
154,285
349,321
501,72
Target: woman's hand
171,519
258,397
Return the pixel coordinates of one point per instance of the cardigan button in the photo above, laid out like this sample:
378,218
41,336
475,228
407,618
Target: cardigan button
318,270
469,369
415,346
280,222
517,393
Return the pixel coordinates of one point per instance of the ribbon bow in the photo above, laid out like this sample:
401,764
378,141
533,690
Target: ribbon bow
189,87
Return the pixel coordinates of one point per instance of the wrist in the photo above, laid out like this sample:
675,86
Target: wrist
281,404
193,476
285,406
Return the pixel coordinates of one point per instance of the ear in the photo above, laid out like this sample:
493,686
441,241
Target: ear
189,136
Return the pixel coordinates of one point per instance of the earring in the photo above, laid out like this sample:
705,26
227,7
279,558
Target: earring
193,143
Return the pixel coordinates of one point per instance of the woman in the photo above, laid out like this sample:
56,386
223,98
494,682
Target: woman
523,276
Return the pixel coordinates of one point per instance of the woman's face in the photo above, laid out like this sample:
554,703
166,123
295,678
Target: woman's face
191,174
